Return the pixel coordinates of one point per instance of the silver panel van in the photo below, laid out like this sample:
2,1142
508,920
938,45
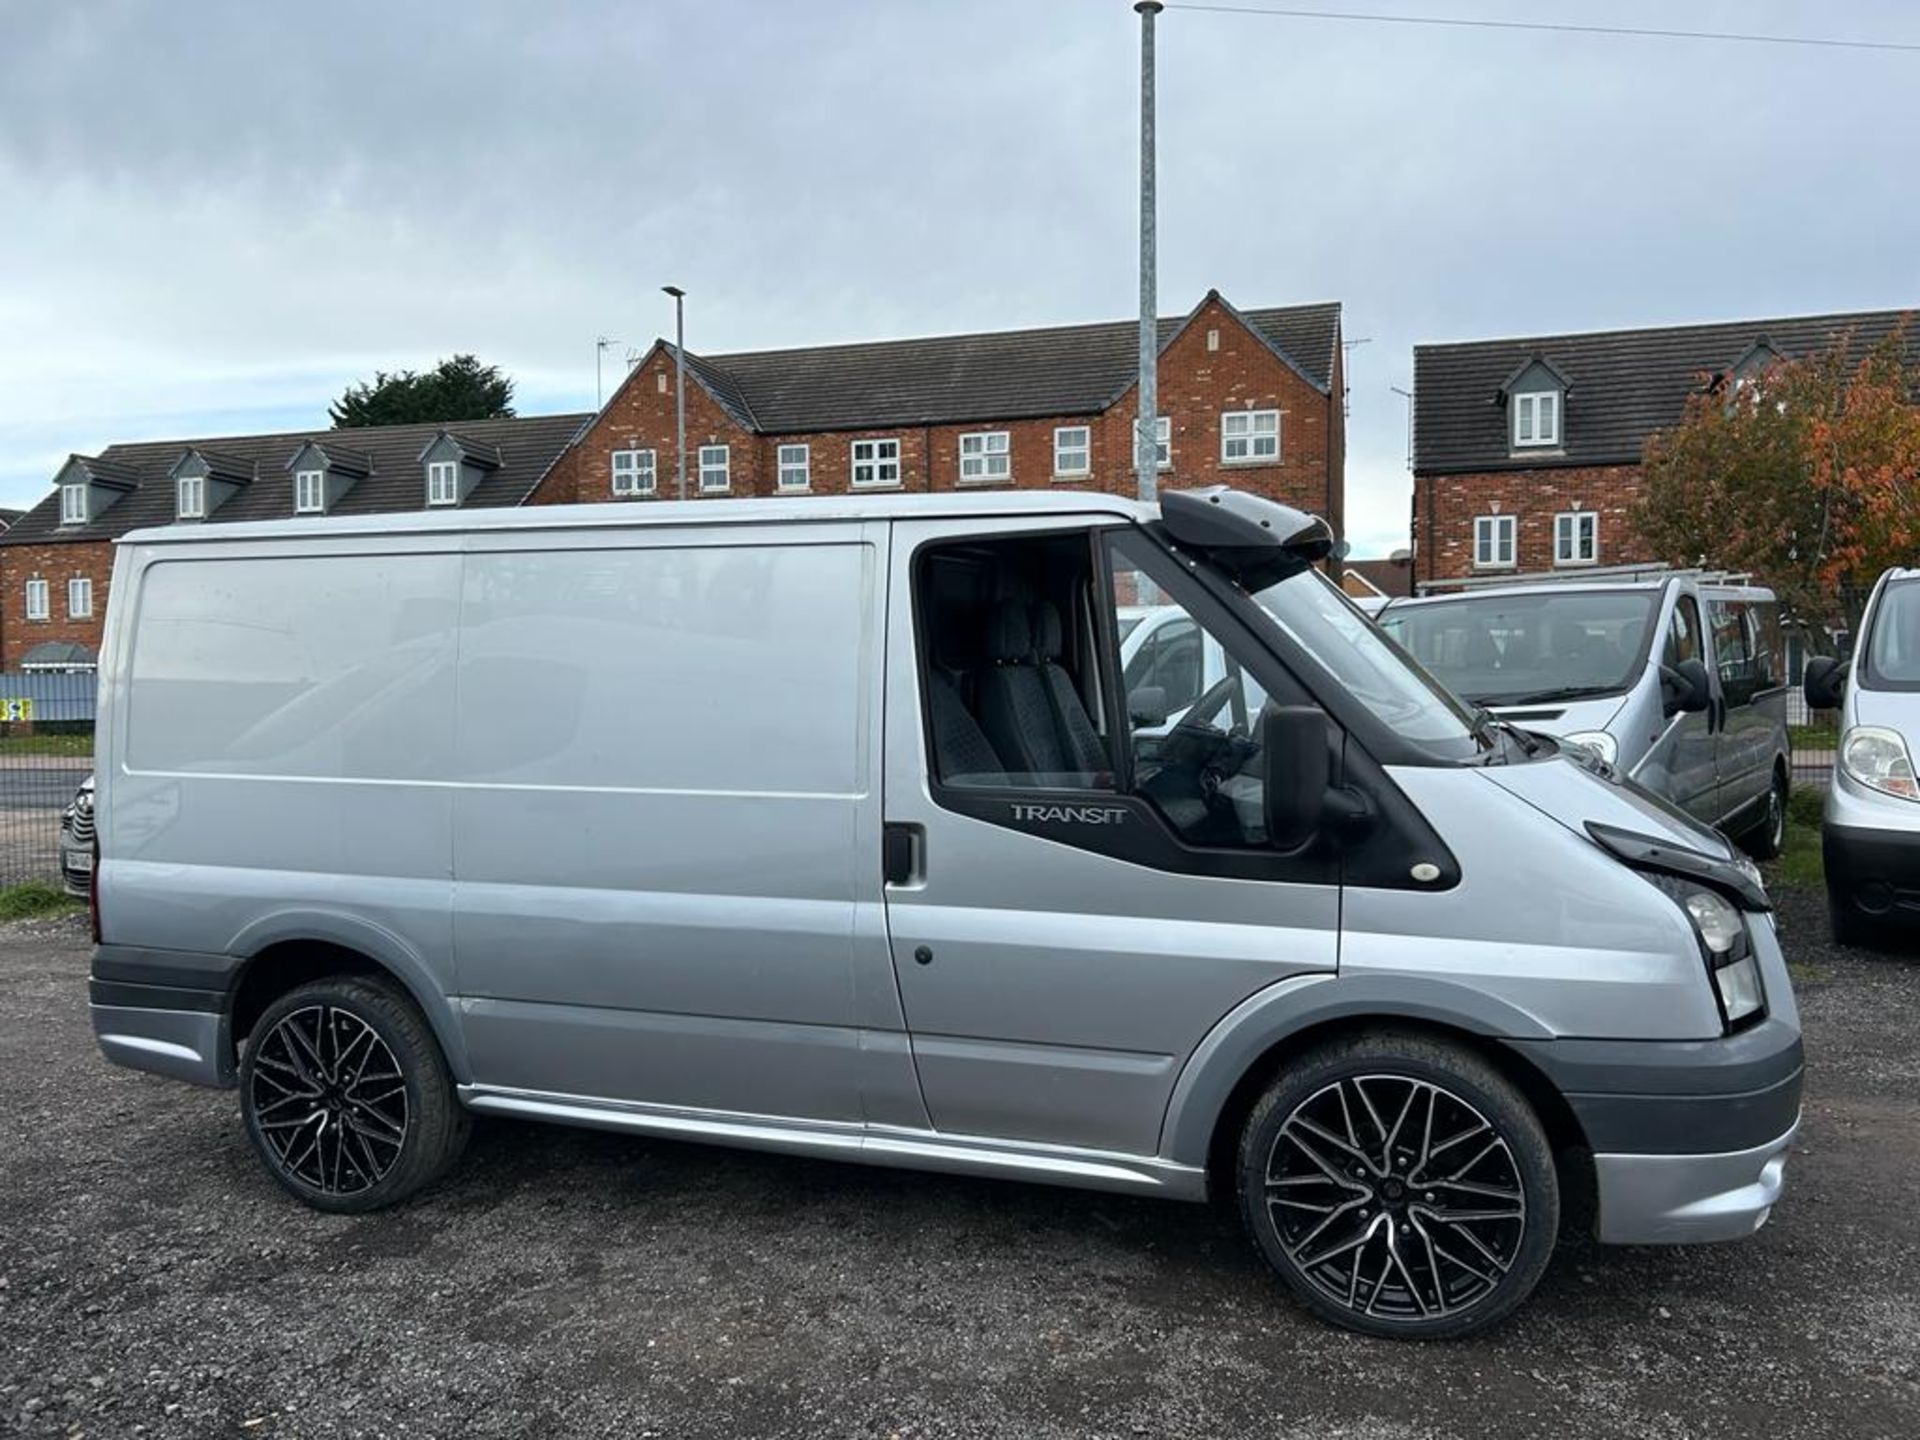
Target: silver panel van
405,818
1870,833
1678,682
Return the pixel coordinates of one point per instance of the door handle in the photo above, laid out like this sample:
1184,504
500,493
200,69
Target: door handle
903,851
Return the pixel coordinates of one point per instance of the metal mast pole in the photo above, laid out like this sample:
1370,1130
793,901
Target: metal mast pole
1145,464
679,388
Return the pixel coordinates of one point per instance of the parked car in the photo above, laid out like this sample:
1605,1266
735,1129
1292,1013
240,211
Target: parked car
446,827
76,841
1679,683
1870,832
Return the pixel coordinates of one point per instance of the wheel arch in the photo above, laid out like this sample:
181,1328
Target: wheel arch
1234,1064
290,949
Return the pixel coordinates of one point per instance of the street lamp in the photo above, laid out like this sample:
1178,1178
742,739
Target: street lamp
679,387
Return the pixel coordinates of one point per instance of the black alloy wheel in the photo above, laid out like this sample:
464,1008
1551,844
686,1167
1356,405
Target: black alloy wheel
346,1096
1400,1187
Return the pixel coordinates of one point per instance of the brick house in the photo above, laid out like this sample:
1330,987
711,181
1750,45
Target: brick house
56,561
1252,397
1527,452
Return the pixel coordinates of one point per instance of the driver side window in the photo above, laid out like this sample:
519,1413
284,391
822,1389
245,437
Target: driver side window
1194,713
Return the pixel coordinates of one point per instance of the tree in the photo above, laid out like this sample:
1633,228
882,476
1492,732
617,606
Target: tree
460,388
1807,475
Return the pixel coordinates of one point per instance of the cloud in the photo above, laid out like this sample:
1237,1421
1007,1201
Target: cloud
221,213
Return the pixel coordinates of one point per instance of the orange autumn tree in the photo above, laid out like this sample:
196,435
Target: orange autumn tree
1807,475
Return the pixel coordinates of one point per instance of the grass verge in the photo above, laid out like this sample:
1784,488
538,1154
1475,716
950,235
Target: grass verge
34,898
77,745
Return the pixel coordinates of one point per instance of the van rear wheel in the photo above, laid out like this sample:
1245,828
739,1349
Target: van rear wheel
1400,1185
346,1096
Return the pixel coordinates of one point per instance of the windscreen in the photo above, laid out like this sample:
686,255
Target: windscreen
1893,649
1311,609
1528,649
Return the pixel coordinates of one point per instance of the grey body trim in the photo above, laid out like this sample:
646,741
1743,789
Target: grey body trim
190,1045
1689,1199
1284,1010
862,1144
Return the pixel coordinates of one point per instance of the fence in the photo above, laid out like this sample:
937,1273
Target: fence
46,750
1813,736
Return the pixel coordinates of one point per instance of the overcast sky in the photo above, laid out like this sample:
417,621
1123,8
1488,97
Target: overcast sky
214,216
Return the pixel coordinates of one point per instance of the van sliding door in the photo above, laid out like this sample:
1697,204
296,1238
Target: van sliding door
666,818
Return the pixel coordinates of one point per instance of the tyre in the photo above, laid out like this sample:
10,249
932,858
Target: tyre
346,1096
1769,837
1400,1185
1850,927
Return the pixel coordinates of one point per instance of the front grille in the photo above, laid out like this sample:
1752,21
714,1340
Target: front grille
79,824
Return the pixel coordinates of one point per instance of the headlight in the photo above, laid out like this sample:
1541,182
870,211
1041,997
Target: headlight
1598,741
1717,922
1877,758
1724,944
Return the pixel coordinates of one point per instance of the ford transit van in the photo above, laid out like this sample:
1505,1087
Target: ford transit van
1677,681
405,818
1870,833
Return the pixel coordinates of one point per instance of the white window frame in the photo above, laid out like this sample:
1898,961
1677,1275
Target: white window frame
716,461
190,498
637,476
1491,535
1256,430
443,482
1065,465
305,503
39,599
1530,410
74,509
986,457
793,467
879,468
1566,537
80,598
1163,442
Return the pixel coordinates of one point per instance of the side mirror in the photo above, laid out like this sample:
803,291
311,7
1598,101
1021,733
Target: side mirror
1298,773
1685,688
1825,682
1147,705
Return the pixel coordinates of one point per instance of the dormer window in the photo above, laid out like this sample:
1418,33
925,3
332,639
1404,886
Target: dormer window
73,505
443,482
1536,419
190,501
309,492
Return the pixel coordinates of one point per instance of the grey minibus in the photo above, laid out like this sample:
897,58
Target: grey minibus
1677,679
401,819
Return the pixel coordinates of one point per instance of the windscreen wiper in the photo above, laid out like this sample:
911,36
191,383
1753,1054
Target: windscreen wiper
1543,697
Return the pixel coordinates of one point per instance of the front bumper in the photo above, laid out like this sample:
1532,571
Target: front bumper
1690,1199
1689,1138
1872,871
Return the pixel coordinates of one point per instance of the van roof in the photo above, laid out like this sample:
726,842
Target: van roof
1580,587
651,514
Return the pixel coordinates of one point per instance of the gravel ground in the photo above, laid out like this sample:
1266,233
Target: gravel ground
153,1281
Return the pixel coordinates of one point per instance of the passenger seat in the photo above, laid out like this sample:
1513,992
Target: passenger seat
1014,709
1079,739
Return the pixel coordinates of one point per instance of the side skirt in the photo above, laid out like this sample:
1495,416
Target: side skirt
852,1141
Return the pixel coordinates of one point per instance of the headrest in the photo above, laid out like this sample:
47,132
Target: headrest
1046,630
1009,637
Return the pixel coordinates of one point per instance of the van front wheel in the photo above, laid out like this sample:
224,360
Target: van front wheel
346,1096
1400,1185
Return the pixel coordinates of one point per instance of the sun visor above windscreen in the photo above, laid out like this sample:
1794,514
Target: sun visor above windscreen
1257,541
